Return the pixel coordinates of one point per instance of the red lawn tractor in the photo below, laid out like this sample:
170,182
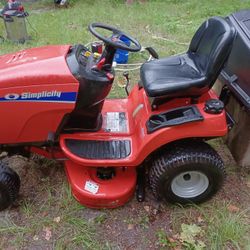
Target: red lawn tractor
53,103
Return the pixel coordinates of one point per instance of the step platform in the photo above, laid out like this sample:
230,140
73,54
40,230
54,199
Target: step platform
92,149
94,192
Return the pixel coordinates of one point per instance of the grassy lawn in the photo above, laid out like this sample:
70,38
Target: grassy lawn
47,217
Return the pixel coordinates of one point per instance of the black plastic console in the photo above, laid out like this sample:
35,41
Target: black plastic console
174,117
94,86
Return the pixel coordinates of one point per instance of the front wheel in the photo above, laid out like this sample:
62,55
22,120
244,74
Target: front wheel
187,173
9,186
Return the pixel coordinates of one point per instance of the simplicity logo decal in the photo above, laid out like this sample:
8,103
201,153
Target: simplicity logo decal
46,96
29,95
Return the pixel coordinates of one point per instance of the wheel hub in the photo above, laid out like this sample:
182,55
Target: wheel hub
189,184
186,177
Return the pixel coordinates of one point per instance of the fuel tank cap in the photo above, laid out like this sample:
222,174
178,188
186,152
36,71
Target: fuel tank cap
214,106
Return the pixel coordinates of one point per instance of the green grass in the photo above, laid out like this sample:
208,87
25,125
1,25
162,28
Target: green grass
59,213
221,228
175,20
226,227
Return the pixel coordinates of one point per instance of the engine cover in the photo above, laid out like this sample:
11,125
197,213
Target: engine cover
37,89
37,66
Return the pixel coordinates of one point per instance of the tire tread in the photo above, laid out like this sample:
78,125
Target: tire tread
178,155
10,185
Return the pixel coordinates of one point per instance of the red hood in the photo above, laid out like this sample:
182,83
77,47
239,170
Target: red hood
44,65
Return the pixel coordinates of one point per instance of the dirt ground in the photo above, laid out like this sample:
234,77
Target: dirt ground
133,226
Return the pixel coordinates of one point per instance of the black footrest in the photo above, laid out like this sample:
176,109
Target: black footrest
173,117
117,149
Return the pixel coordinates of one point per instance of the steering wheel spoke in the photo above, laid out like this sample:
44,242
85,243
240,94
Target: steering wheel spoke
111,41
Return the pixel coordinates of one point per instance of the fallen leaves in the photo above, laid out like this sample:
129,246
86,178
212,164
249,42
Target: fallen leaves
35,238
190,236
200,219
167,242
233,209
57,219
48,233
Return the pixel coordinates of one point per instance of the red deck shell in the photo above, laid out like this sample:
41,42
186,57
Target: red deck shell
111,193
138,111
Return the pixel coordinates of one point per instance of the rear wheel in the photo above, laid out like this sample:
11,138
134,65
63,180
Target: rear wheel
186,173
9,186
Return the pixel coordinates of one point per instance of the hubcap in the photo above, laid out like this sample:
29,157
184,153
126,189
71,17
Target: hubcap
189,184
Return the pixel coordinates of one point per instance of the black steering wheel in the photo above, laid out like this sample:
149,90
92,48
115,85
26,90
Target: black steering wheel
114,40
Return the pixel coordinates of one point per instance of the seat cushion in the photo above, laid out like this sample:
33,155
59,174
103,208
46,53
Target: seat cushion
192,73
170,75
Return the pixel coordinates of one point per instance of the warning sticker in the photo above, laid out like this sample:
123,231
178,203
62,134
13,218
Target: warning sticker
91,186
115,122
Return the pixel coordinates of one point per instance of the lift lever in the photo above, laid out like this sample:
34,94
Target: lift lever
126,75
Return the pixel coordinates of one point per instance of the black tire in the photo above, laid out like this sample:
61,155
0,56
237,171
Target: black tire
9,186
188,172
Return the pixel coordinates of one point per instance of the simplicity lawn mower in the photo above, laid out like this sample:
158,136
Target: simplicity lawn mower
53,103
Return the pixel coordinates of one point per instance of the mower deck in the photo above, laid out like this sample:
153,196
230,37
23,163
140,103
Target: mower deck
95,192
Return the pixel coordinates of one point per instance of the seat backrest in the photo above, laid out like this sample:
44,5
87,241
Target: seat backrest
210,47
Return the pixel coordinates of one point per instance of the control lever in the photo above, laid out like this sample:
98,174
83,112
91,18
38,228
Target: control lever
126,75
152,52
101,63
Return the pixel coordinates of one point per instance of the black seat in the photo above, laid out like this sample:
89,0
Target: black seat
192,73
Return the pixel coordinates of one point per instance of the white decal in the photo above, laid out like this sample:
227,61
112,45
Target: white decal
29,95
39,95
113,121
11,96
91,187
